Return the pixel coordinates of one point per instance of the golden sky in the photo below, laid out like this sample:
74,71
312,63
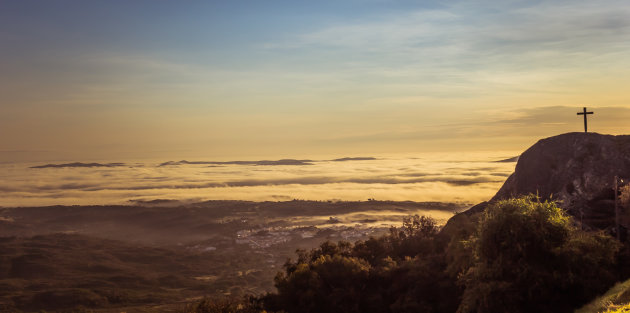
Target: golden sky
114,80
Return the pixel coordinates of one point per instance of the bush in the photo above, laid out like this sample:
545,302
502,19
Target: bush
403,271
529,257
224,305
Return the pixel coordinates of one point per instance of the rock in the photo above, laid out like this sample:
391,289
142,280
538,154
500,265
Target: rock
576,169
569,167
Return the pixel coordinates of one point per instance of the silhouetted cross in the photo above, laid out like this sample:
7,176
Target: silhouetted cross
585,113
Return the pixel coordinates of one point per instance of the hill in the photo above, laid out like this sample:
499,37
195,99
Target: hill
576,169
160,255
66,271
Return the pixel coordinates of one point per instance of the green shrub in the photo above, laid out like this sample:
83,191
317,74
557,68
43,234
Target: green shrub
529,257
403,271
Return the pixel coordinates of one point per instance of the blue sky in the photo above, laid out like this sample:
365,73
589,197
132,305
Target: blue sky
106,79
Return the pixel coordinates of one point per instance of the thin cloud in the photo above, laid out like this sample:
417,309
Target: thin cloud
475,35
321,180
559,116
263,162
508,160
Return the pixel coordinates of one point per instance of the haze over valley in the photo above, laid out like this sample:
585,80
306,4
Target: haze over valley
452,177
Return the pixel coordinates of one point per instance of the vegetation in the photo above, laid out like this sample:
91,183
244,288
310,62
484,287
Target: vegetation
518,255
156,258
616,299
65,272
529,257
524,255
401,272
225,305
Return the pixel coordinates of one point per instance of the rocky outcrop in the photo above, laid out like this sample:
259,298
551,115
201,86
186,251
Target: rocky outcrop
569,166
576,169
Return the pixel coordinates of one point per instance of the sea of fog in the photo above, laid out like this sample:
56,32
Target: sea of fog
454,177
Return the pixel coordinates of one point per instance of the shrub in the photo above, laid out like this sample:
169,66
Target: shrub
224,305
403,271
529,257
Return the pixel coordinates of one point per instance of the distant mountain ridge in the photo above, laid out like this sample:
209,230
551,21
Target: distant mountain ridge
79,164
266,162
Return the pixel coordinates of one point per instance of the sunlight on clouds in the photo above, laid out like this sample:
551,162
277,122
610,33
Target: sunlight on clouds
433,177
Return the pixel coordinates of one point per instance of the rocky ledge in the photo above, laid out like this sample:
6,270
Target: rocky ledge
576,169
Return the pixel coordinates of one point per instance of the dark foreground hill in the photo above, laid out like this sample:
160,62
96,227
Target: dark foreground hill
154,257
59,272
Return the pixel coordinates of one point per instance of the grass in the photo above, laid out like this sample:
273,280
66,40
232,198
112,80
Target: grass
619,309
617,299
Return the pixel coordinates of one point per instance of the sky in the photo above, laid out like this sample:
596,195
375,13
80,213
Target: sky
251,79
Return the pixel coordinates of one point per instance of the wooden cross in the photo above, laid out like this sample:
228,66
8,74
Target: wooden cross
585,113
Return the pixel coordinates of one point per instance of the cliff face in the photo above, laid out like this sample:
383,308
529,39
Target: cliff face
576,168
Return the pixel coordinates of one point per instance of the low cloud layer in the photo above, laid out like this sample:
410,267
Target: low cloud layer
508,160
265,162
433,178
305,181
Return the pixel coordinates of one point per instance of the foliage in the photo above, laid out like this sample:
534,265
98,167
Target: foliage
616,299
528,257
624,196
403,271
519,255
225,305
618,309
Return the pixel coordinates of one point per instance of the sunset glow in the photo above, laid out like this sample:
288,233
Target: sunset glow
356,156
123,81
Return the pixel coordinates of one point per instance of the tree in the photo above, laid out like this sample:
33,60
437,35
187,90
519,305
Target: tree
529,257
402,271
327,284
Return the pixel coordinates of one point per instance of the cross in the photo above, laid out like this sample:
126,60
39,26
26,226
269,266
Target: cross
585,113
